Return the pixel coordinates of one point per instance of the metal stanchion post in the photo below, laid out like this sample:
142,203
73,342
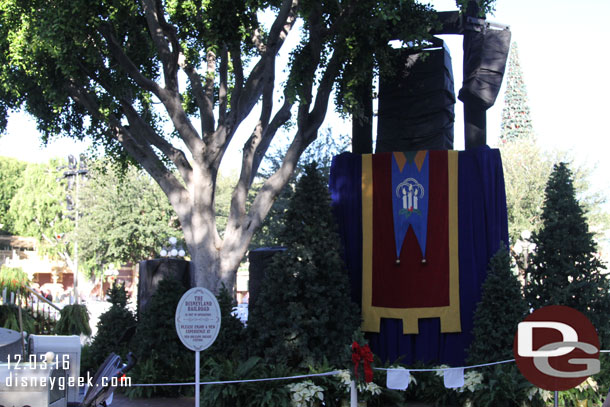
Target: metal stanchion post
197,385
353,394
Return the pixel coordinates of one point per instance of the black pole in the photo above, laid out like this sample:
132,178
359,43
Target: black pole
475,125
475,117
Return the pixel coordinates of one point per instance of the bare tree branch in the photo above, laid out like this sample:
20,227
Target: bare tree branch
170,98
237,240
138,148
240,193
255,85
238,72
241,226
204,103
210,74
282,25
126,63
318,113
223,88
281,117
156,32
257,40
164,38
177,156
142,127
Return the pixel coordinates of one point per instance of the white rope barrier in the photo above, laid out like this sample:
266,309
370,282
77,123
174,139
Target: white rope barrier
439,369
332,373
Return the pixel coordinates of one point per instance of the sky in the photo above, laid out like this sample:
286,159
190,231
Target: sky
565,63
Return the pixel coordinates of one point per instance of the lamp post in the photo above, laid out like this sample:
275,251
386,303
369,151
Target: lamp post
77,168
172,250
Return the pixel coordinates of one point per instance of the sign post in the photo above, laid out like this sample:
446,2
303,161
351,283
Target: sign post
198,324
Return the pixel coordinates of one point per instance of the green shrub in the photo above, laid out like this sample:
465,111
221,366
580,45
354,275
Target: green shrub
9,318
229,343
429,387
112,328
73,320
14,279
263,394
162,357
500,310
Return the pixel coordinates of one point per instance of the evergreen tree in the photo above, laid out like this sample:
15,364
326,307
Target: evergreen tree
161,355
501,308
565,269
322,151
516,119
113,330
228,343
304,312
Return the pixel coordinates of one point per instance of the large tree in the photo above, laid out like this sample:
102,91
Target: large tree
565,268
38,208
118,71
124,217
11,179
516,117
526,171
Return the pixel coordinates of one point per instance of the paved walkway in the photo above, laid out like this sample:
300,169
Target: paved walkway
120,400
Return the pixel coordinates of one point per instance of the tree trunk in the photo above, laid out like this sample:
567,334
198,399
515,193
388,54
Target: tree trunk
205,266
214,269
213,262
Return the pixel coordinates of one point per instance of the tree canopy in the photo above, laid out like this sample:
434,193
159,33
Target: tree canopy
38,208
166,84
124,218
11,179
527,166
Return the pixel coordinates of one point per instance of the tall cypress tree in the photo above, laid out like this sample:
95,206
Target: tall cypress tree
564,268
516,118
304,312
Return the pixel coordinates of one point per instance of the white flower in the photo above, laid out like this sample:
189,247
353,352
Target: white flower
305,393
589,383
441,371
545,394
346,378
371,387
472,379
